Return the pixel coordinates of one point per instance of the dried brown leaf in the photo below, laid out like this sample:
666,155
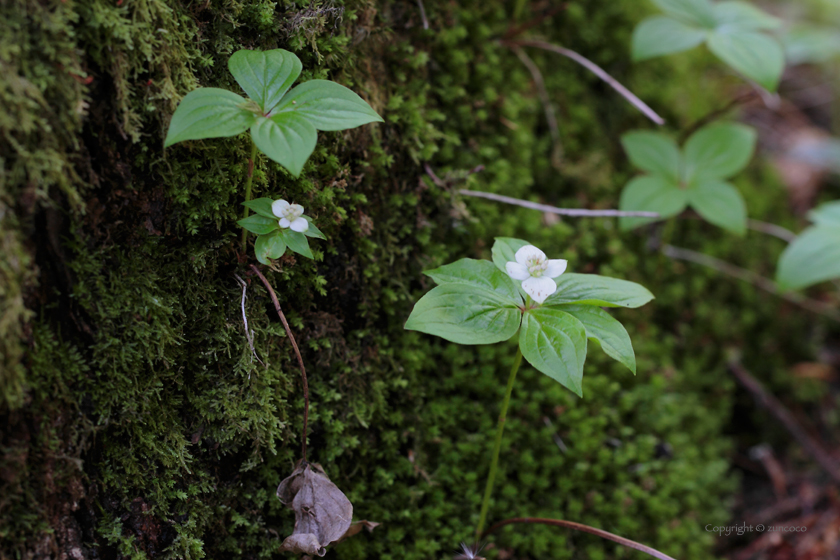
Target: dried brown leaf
357,526
323,513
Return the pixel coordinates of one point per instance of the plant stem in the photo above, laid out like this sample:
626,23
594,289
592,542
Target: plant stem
494,463
248,182
586,529
297,353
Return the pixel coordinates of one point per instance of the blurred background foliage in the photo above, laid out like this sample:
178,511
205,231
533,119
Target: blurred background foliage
136,423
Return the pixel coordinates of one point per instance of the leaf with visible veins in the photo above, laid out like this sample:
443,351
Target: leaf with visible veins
323,513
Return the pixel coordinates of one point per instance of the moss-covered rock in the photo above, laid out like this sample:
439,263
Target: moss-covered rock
138,422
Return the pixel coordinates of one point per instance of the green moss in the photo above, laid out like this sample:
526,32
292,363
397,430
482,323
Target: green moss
136,360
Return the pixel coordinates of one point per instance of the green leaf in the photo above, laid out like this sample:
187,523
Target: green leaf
603,291
270,246
810,44
287,138
504,251
483,274
313,230
554,342
651,193
328,106
611,334
209,113
261,206
744,16
465,314
654,152
755,55
719,203
827,214
297,242
812,257
661,35
692,12
265,76
259,224
718,150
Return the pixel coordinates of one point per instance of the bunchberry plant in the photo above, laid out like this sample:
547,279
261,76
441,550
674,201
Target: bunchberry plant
283,123
694,176
814,256
736,32
522,291
278,225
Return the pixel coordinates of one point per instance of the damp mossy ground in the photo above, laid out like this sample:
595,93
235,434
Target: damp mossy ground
139,425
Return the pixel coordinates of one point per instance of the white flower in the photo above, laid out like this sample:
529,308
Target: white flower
536,272
290,215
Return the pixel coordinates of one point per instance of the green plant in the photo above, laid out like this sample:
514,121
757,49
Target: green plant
479,302
734,31
278,225
283,120
693,176
814,256
283,123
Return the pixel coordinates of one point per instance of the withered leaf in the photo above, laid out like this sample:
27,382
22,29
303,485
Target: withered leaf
357,526
322,512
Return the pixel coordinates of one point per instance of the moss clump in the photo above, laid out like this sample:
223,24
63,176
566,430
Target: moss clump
147,430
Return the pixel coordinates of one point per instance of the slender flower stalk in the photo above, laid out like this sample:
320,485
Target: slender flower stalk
494,463
248,182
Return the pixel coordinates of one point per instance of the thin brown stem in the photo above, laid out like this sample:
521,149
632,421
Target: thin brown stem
550,116
580,527
576,212
709,117
771,229
755,279
783,415
297,353
595,69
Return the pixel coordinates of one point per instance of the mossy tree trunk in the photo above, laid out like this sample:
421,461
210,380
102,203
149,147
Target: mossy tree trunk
137,422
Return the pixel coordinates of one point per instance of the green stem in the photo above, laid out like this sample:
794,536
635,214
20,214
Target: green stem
248,183
494,463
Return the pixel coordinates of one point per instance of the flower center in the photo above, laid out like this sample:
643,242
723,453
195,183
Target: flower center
293,212
536,266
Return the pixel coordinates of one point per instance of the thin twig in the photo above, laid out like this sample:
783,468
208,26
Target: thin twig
248,334
423,14
709,117
584,528
578,212
297,353
771,229
783,415
519,29
550,116
598,71
753,278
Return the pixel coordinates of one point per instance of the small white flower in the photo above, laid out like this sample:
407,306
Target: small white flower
290,215
536,272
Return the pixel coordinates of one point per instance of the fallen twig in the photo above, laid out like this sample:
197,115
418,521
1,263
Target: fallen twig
550,117
580,527
709,117
751,277
423,14
249,336
771,229
578,212
297,353
783,415
595,69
